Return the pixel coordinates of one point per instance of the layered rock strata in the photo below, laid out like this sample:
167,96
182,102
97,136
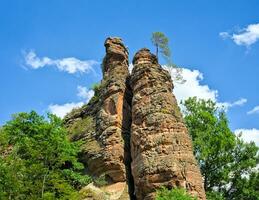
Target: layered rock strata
136,143
113,118
106,152
161,148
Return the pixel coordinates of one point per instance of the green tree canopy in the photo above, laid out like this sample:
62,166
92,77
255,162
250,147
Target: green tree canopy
227,163
37,160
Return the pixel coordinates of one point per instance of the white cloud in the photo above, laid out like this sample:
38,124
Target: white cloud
245,37
192,86
254,110
249,135
84,93
63,109
70,64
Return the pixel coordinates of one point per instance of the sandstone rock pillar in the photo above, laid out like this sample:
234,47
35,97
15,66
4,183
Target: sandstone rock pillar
112,123
161,148
107,117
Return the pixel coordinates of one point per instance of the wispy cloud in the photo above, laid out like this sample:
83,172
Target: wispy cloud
245,37
255,110
249,135
224,35
227,105
84,93
71,65
62,109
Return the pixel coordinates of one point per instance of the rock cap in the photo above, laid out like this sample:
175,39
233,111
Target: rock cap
144,56
114,45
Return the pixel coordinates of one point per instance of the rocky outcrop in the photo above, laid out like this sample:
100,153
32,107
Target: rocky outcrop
133,131
104,124
161,148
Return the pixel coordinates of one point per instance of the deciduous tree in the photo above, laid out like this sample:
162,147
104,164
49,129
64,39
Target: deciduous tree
227,163
37,160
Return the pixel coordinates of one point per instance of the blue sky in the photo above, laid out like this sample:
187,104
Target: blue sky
50,51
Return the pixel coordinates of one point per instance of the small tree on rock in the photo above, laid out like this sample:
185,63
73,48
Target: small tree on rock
161,42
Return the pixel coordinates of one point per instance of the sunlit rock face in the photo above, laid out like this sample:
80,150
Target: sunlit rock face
133,131
161,148
113,118
105,125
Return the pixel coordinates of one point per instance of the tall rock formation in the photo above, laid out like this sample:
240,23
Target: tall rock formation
137,142
161,148
113,119
104,125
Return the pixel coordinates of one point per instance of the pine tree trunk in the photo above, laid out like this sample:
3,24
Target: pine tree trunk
157,52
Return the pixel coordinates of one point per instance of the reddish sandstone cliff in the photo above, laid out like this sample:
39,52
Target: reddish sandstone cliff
161,148
105,152
133,131
111,122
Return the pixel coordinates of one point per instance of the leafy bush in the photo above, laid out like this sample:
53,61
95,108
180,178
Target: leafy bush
97,87
100,181
174,194
80,127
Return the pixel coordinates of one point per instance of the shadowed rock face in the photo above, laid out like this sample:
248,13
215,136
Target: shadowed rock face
161,148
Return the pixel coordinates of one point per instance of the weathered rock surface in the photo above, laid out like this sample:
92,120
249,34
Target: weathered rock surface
113,118
136,143
161,148
104,124
116,191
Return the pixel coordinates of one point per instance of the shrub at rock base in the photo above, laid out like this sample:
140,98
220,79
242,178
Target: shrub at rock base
174,194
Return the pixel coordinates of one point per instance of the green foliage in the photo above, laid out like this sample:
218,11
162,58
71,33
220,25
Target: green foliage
100,181
174,194
246,188
97,87
224,158
76,179
37,159
81,127
212,195
75,112
160,41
